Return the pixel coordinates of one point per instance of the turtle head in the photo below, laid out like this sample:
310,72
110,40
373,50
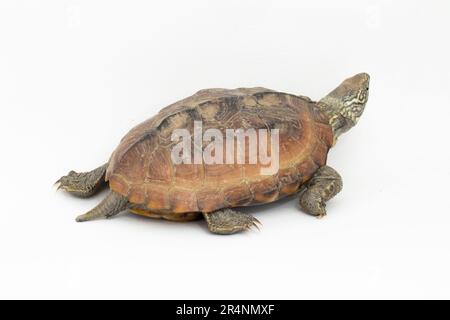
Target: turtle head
345,104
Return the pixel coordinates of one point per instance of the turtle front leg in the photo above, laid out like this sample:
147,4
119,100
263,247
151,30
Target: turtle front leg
324,185
229,221
84,184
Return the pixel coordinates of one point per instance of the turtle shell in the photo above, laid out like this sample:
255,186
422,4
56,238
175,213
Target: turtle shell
142,170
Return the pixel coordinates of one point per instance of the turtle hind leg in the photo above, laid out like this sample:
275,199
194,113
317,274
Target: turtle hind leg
229,221
113,204
84,184
324,185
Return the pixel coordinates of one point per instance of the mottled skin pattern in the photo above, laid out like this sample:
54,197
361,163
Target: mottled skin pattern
110,206
324,185
229,221
143,179
83,185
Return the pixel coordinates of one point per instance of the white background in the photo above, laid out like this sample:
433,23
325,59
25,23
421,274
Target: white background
75,76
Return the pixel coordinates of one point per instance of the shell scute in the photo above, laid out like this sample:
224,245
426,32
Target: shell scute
239,195
158,170
183,200
158,198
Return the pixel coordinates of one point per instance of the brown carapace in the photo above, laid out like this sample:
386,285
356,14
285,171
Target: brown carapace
143,178
141,168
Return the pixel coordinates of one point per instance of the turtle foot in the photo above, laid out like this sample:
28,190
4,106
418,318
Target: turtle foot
229,221
84,184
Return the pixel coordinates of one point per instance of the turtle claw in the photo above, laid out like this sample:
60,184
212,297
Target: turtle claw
321,216
257,222
57,185
254,225
69,183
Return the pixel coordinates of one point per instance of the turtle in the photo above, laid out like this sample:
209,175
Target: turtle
143,177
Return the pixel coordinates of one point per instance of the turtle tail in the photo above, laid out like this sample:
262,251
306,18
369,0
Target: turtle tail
112,205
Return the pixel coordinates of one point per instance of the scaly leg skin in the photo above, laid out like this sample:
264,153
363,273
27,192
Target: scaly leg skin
113,204
83,185
324,185
228,221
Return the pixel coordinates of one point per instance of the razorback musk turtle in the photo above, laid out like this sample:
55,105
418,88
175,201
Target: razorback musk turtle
144,178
